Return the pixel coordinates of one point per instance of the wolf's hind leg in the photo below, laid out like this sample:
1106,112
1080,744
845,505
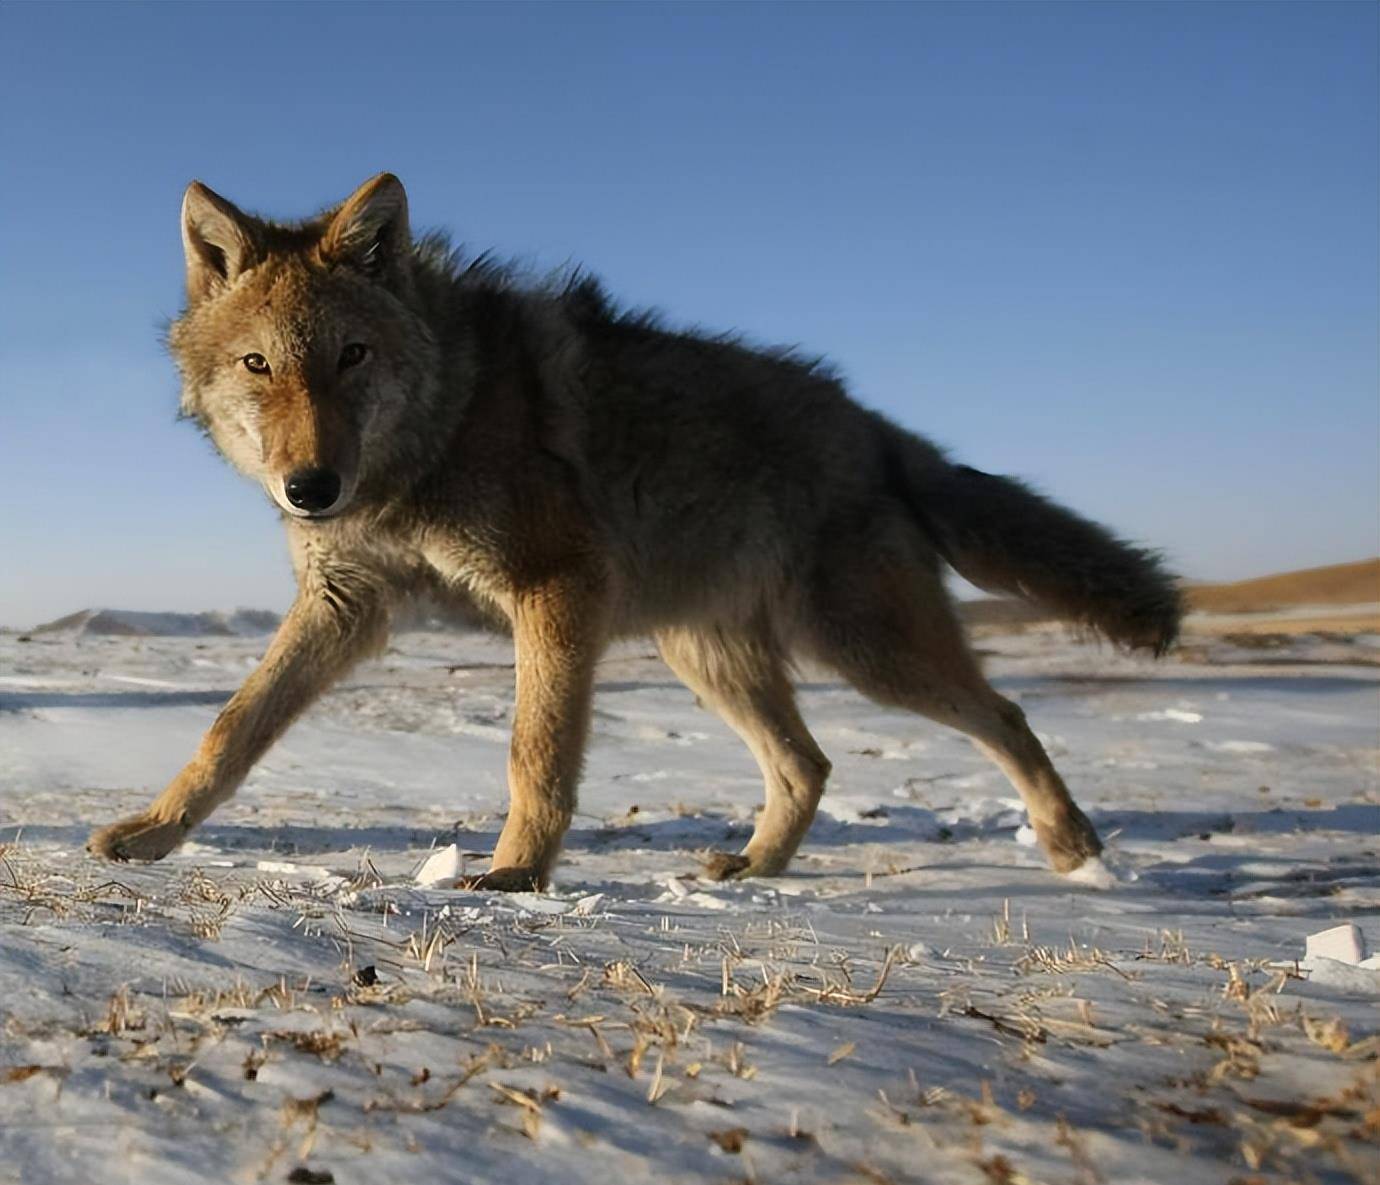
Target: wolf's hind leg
890,629
317,642
745,682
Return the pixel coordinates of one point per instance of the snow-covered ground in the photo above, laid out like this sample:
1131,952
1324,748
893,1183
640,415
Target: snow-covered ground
920,1000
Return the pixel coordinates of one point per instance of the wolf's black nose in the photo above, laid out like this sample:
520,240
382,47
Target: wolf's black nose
313,489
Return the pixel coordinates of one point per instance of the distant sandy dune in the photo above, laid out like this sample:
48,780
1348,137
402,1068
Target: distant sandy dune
1336,599
1336,584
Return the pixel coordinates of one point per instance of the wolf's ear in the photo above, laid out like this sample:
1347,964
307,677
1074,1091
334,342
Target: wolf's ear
218,239
370,230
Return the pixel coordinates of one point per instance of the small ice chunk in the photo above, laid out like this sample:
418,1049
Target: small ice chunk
1093,873
1343,943
287,868
1182,715
587,905
205,854
677,887
853,808
1370,964
442,867
1240,747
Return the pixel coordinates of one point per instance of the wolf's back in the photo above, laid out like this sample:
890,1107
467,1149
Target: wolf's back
1004,537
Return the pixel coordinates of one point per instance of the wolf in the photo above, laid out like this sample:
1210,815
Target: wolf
434,424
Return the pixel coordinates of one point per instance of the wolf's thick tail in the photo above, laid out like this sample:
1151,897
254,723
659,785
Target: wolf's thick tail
1004,537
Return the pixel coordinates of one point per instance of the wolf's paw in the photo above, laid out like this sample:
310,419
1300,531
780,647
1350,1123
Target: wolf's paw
726,866
141,837
504,880
1070,843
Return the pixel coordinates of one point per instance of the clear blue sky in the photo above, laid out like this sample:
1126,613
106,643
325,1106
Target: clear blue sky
1126,250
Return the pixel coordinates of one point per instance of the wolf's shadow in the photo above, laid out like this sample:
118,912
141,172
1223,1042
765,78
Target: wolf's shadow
900,822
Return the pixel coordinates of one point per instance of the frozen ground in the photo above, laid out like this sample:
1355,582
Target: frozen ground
921,1000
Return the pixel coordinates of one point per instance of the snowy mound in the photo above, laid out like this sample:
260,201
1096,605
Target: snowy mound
129,623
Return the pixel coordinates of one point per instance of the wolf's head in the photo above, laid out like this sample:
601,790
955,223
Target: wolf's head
301,347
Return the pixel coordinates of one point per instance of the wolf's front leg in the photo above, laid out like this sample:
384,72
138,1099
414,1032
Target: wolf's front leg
319,640
558,634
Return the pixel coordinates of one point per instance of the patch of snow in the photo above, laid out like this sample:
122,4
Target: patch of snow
540,903
1342,975
237,1012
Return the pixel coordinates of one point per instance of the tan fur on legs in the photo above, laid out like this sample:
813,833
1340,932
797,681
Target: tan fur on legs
892,632
316,643
998,727
744,680
558,631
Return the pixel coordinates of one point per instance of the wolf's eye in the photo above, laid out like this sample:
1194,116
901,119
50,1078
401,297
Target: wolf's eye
256,363
353,355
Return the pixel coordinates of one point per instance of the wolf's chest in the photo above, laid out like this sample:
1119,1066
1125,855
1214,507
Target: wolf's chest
466,566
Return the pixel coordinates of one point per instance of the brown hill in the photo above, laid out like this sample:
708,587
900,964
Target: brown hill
1336,584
